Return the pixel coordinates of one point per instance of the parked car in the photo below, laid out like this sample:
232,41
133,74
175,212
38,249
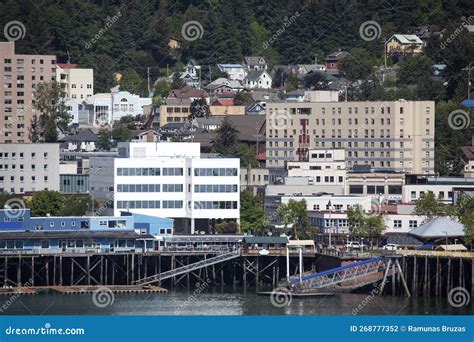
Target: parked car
354,245
390,247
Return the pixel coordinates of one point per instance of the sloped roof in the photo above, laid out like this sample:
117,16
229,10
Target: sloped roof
254,75
223,102
254,60
407,38
439,227
187,92
82,135
338,55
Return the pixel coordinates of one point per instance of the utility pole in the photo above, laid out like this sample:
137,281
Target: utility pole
148,79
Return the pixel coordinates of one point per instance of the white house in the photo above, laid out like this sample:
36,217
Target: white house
257,63
258,79
235,71
174,180
105,108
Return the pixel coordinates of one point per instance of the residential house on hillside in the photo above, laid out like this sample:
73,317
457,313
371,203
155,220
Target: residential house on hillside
83,141
255,63
333,60
190,75
235,71
404,43
258,79
223,85
187,93
146,135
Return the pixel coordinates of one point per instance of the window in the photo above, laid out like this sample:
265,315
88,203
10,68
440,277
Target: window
172,171
413,224
397,223
356,189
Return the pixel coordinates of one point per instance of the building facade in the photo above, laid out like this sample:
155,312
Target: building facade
29,167
173,180
396,135
18,76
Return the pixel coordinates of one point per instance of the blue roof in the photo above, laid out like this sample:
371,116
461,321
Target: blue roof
468,103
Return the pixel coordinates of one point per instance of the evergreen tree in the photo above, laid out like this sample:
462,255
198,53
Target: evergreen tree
226,139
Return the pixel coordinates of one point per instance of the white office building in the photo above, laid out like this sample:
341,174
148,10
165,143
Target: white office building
174,180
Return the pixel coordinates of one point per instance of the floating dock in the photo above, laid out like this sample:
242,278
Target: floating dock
32,290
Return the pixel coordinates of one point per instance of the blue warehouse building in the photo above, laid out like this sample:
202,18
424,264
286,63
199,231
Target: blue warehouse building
21,233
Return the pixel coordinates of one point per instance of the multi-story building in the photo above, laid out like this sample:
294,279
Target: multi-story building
323,167
174,180
396,135
77,83
446,189
18,76
29,167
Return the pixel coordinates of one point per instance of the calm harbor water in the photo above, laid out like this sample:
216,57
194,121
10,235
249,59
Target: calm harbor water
226,301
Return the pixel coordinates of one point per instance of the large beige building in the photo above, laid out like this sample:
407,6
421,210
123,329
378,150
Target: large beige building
18,76
395,135
77,83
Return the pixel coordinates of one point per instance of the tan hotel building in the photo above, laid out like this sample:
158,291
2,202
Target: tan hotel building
18,76
387,135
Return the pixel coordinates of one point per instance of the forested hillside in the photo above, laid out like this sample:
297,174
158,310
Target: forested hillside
132,35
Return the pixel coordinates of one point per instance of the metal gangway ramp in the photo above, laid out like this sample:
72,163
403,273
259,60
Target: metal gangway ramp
356,270
188,268
337,275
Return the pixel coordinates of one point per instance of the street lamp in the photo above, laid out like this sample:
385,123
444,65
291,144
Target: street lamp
362,246
330,224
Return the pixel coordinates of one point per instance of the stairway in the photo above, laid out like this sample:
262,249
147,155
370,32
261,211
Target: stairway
188,268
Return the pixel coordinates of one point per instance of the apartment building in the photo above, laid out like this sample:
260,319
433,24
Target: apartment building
77,83
29,167
174,180
395,135
18,76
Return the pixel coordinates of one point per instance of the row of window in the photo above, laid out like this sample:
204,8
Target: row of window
371,189
149,204
215,205
215,188
149,171
21,61
149,187
333,110
22,179
13,155
215,172
21,167
411,224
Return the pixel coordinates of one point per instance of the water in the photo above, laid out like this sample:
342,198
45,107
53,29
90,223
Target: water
225,301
